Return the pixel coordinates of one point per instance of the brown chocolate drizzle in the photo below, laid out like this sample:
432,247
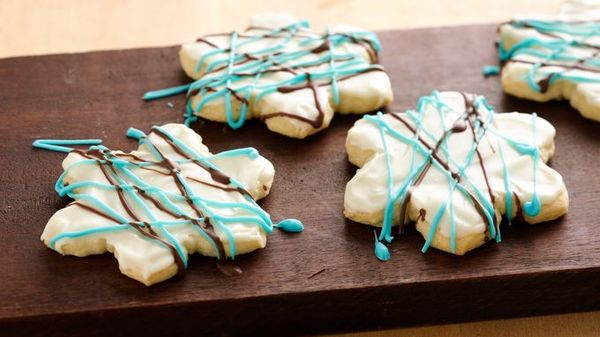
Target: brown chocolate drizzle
317,122
321,48
365,43
556,36
102,158
229,269
422,214
460,125
519,214
99,156
544,83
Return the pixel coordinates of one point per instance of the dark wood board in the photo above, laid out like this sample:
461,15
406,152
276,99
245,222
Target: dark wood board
547,268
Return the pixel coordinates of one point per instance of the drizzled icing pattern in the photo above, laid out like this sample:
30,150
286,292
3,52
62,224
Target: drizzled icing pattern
559,48
546,59
452,165
171,193
239,70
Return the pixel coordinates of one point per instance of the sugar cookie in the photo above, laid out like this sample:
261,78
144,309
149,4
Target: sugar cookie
154,206
454,167
554,58
284,73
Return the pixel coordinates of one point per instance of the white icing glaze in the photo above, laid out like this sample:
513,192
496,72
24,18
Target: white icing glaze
139,257
583,96
365,92
366,193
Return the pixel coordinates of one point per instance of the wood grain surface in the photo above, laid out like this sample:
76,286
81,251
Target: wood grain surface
547,268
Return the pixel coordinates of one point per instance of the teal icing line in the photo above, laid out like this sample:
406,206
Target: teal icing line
381,251
436,221
554,50
129,183
585,29
491,71
218,76
334,83
507,185
156,94
461,183
533,207
195,156
452,225
387,216
57,144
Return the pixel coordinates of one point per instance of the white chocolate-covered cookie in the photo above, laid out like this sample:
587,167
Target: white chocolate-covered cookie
554,58
154,206
284,73
453,167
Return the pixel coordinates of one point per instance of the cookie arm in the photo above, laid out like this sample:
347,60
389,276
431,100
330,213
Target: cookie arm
518,127
138,258
364,140
252,170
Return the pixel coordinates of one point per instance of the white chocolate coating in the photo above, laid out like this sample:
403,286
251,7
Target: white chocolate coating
362,93
367,193
139,257
584,95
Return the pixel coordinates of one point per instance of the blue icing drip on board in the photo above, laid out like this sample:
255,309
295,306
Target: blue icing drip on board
290,226
458,180
119,170
381,251
491,71
221,76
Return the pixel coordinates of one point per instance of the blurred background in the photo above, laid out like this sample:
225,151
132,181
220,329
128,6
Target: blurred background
59,26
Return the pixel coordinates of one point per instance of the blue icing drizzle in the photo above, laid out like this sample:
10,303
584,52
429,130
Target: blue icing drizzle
491,71
421,145
156,94
119,171
381,251
554,50
533,208
227,68
290,226
58,144
507,185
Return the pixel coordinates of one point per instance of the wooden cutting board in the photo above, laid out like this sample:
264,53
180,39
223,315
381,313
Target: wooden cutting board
323,280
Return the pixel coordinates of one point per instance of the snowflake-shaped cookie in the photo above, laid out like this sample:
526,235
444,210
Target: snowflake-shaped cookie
154,206
282,72
559,58
454,167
